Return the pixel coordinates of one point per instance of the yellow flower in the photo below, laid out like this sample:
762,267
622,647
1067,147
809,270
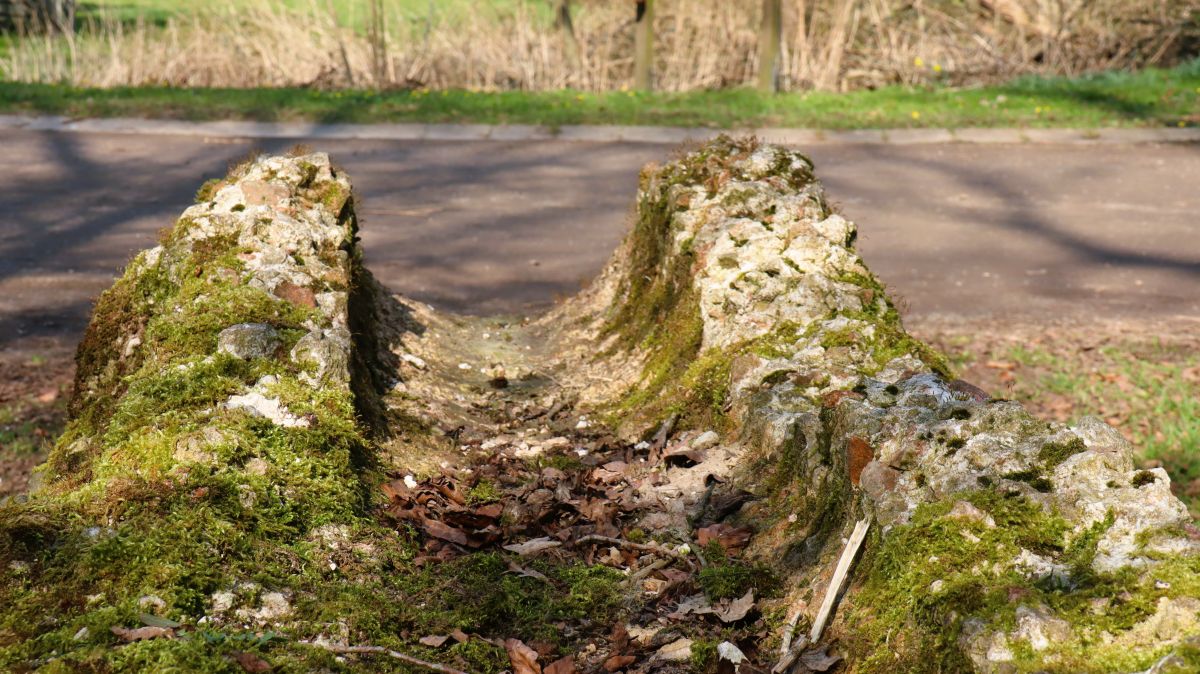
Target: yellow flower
1182,123
937,67
579,97
919,62
916,114
1037,110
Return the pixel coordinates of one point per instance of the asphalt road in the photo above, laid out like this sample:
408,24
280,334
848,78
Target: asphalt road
1025,231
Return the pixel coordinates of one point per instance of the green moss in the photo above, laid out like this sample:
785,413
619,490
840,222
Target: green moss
1033,477
1143,478
728,578
704,658
1054,453
209,189
1081,552
899,623
564,462
484,491
890,340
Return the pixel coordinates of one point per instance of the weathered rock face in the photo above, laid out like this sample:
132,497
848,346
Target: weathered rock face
228,434
1003,543
214,435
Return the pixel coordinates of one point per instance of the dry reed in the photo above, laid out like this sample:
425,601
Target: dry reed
701,44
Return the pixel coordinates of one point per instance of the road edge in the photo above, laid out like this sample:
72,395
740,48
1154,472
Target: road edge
662,135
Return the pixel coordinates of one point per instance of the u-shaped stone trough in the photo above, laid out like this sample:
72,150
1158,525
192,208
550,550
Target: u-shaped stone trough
246,389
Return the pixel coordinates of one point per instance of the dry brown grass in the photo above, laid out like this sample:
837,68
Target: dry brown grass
828,44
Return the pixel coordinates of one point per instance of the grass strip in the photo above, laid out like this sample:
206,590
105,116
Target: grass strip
1151,98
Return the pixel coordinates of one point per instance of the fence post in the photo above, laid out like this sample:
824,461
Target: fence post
55,16
643,47
562,21
769,35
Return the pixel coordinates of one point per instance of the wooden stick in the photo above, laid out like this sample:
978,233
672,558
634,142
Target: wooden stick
335,648
645,547
790,654
789,631
839,577
637,576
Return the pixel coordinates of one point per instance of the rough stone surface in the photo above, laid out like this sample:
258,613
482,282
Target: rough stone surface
821,367
248,340
215,421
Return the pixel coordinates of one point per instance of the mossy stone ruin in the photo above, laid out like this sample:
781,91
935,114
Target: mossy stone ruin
245,389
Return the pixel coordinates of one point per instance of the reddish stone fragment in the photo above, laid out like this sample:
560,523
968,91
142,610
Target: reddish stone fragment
298,295
832,398
617,662
858,454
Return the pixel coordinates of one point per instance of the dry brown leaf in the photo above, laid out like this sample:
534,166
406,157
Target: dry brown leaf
696,603
617,662
433,640
142,633
619,637
250,662
731,539
676,651
443,531
818,660
565,665
522,657
737,609
528,573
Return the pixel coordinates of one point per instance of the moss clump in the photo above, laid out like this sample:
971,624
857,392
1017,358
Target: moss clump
1054,453
1143,478
209,189
484,491
920,585
1033,477
704,657
899,624
890,340
657,309
728,578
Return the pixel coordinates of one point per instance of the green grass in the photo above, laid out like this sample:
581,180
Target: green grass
1143,389
1152,98
1148,389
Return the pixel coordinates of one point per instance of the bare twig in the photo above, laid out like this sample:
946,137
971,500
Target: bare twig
789,630
637,576
839,577
790,654
336,648
645,547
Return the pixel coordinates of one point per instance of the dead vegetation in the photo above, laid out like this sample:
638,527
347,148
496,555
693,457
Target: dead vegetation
699,44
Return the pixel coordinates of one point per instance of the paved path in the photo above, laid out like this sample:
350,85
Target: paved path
1022,230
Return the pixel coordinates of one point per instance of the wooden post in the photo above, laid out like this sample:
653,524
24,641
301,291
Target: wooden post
643,47
562,21
769,35
54,16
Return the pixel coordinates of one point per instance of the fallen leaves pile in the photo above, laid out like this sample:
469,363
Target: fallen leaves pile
587,497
